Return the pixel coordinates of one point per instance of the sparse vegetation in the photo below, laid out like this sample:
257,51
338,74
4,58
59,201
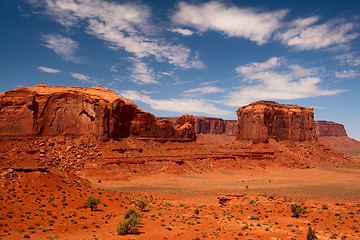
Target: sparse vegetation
92,203
310,235
130,223
297,209
143,204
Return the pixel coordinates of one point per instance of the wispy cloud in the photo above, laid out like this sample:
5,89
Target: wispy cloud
349,58
63,46
185,105
347,74
275,79
204,90
125,26
182,31
141,73
233,21
305,34
80,76
48,70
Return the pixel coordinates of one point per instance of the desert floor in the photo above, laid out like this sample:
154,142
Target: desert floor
243,204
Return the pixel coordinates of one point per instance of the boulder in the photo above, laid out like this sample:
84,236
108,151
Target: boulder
329,129
46,111
263,120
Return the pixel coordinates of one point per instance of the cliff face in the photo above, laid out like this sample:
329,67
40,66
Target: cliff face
262,120
210,125
46,111
328,129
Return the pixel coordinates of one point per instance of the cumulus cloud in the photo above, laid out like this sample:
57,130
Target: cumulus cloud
183,106
48,70
80,76
182,31
123,26
141,73
275,79
233,21
63,46
347,74
305,34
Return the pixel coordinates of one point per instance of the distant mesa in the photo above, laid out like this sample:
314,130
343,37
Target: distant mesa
334,135
206,125
263,120
327,128
46,111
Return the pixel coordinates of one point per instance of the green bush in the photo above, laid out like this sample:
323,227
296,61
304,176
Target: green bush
143,204
92,203
130,223
297,209
311,234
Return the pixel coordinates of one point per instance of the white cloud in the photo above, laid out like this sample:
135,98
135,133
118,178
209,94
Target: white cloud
48,70
141,73
183,106
233,21
208,83
347,74
304,34
274,79
182,31
204,90
350,59
63,46
123,26
80,76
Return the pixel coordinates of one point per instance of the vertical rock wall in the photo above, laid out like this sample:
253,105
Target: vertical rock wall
329,129
262,120
43,110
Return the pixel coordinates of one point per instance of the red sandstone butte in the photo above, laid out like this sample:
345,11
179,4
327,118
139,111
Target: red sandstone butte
328,129
262,120
46,111
213,125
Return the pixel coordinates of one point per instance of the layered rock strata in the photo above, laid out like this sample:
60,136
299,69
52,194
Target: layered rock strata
263,120
47,111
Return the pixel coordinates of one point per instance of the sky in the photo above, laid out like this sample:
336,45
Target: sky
205,58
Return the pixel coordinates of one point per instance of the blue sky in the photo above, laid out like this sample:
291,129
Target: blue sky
204,58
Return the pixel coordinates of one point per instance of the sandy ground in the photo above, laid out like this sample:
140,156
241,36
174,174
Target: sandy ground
245,204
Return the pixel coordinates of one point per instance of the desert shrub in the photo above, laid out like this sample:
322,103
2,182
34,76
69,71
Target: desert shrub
333,236
297,209
142,204
11,175
324,207
253,217
310,235
92,203
130,223
196,211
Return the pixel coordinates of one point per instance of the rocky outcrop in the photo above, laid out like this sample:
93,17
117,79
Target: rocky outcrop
328,129
206,125
46,111
263,120
185,127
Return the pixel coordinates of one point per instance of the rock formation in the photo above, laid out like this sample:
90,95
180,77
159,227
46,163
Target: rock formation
328,129
46,111
334,135
263,120
212,125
